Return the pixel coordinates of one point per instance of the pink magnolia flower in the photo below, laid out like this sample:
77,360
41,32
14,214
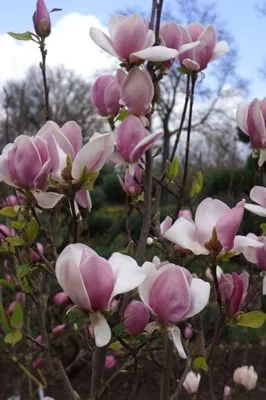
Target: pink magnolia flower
256,255
191,382
110,362
207,50
33,255
251,119
234,290
136,317
41,19
132,140
258,195
227,392
137,91
130,40
61,298
5,231
131,184
105,93
246,376
26,163
173,295
67,141
92,282
214,229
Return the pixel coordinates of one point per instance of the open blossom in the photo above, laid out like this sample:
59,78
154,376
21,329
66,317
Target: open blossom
246,376
131,40
41,19
132,140
214,229
191,382
251,119
173,295
137,91
26,163
207,50
92,282
132,181
234,290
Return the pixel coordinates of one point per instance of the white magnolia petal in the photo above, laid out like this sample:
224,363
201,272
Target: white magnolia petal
47,199
262,157
245,244
101,329
200,293
187,46
128,275
258,210
176,336
183,233
145,287
103,41
264,285
156,53
220,49
242,116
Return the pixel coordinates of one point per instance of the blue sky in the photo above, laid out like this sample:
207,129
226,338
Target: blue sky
242,17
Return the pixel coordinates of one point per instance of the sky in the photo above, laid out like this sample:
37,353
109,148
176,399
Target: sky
70,43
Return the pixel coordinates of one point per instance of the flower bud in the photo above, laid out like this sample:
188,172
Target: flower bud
188,332
191,383
227,392
136,317
60,298
58,329
246,376
39,363
41,20
10,201
110,362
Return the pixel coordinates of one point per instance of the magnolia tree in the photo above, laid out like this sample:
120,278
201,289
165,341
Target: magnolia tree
64,300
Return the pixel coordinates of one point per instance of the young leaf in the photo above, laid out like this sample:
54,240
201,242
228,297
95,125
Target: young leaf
200,363
15,241
16,320
20,36
172,170
4,319
7,284
32,231
197,184
9,212
13,337
252,319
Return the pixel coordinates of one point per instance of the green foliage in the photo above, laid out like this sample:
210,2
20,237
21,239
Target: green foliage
17,317
99,224
172,170
13,337
197,184
253,319
200,363
9,212
21,36
31,231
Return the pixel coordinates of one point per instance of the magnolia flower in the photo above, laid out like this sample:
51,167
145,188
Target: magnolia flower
67,142
207,50
41,19
26,163
173,295
92,282
191,382
214,229
132,182
132,141
246,376
251,119
130,40
136,317
110,362
234,290
258,195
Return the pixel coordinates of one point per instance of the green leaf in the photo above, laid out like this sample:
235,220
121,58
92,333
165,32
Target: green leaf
17,318
9,212
7,284
20,36
263,229
32,231
252,319
200,363
172,170
197,184
4,319
123,114
17,225
23,271
15,241
115,346
13,337
90,180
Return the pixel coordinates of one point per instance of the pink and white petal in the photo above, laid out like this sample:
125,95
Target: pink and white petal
242,117
47,199
191,65
93,155
74,134
246,243
144,145
52,129
258,210
150,39
145,287
117,158
188,46
114,23
101,329
103,41
83,199
262,157
220,49
208,213
154,54
128,275
200,293
183,232
175,334
258,194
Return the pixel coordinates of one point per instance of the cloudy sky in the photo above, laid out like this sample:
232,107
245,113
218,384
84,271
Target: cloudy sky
70,44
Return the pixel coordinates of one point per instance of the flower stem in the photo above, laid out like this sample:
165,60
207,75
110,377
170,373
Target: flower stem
167,355
98,360
44,77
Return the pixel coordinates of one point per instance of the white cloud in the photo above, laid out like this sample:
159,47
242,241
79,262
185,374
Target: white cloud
69,44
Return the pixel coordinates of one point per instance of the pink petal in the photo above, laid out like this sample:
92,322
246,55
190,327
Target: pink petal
200,293
103,41
258,194
256,125
73,133
144,145
47,199
83,199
